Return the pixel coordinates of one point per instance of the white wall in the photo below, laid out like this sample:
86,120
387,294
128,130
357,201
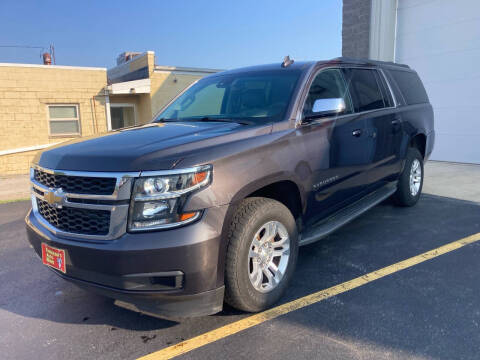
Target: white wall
441,40
382,30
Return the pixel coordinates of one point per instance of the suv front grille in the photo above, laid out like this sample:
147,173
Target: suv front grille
76,184
75,220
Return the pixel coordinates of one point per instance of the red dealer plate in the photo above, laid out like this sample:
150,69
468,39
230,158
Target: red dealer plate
53,257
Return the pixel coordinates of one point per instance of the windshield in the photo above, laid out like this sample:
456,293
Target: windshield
255,97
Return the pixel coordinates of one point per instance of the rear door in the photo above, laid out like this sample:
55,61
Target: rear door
382,133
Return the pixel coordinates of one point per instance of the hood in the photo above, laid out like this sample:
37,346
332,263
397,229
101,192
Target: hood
149,147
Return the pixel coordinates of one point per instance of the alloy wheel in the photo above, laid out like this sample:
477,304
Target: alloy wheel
415,177
268,256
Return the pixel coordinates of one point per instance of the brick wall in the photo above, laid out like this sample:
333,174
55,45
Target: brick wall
25,92
18,163
356,28
124,72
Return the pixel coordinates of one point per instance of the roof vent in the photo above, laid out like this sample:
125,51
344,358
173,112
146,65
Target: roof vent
287,61
126,56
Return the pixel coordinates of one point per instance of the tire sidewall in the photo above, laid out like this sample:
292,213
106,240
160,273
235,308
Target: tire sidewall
406,196
271,211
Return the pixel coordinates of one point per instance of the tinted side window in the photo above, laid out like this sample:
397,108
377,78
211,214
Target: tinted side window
387,95
328,84
365,90
396,90
411,86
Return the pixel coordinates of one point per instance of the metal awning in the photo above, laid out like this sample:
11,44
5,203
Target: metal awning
141,86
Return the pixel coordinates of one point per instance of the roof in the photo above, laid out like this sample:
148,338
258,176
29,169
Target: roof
297,65
355,61
42,66
303,65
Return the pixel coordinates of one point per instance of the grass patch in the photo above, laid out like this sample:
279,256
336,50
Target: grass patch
13,200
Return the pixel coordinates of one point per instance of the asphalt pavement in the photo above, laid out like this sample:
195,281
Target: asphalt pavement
431,310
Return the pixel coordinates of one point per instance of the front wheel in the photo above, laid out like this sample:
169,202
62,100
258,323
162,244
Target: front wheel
410,182
261,254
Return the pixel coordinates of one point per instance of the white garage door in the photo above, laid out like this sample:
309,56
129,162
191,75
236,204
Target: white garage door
441,40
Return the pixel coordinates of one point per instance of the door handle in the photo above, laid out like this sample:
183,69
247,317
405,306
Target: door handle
396,120
357,133
396,124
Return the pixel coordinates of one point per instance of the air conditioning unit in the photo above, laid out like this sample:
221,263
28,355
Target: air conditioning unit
126,56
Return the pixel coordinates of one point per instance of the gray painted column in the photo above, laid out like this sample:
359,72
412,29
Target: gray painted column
356,28
368,29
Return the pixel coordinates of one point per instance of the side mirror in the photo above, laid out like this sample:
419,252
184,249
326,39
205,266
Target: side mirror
323,107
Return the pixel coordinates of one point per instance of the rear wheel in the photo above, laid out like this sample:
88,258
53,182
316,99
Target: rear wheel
261,254
410,183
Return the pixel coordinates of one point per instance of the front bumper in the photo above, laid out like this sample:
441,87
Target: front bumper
168,273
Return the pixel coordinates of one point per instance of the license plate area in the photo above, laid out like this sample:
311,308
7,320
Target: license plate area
53,257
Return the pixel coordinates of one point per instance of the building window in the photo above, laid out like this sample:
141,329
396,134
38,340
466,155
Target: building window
122,115
63,120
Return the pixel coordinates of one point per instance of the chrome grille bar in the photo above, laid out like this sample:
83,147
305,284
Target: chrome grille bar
117,203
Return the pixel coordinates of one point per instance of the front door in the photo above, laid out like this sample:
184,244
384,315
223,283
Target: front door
339,152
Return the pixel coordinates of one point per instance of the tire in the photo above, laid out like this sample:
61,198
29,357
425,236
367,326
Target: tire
408,193
257,218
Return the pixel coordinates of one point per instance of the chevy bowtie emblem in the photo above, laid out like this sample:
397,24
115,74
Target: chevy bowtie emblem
54,197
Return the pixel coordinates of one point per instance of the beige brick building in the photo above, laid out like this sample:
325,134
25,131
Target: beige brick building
41,105
139,88
28,93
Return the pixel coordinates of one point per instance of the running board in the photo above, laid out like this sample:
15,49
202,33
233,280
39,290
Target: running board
344,216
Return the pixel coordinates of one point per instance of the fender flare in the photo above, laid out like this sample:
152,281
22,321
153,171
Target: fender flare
233,205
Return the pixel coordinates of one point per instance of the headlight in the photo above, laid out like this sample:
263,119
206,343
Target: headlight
157,201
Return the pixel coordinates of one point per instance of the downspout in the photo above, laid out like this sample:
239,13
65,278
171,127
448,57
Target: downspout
396,28
94,115
107,110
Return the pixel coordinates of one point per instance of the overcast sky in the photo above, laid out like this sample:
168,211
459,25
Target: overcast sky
215,33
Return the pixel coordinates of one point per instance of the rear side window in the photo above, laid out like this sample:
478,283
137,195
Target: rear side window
365,90
396,90
387,95
411,87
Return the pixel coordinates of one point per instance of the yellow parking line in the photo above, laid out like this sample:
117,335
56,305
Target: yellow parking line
248,322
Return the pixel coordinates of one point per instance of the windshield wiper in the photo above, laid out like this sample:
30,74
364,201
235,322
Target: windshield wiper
214,119
206,118
166,120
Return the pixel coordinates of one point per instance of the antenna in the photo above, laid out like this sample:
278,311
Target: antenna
52,53
287,61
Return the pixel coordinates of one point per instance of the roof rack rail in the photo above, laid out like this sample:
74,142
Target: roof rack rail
368,62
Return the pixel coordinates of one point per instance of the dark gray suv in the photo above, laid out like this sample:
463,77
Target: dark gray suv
210,201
